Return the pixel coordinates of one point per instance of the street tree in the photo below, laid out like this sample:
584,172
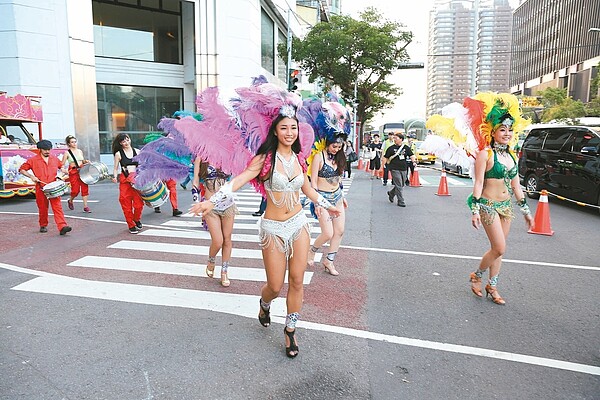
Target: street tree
560,106
592,109
346,51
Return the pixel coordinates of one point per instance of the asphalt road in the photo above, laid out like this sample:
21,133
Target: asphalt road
102,314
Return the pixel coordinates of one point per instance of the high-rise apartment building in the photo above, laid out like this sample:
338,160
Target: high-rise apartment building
556,43
494,47
469,50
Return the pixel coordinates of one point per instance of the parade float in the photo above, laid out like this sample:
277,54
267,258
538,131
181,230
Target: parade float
17,143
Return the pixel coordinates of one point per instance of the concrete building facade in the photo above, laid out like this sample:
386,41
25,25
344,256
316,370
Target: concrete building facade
109,66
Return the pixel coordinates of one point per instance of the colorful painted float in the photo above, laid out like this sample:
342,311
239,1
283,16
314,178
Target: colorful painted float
17,143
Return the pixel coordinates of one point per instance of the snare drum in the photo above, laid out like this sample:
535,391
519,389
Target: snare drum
55,189
154,194
93,172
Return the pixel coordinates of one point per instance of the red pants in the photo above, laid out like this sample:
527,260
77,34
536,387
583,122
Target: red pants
172,186
77,184
131,202
42,203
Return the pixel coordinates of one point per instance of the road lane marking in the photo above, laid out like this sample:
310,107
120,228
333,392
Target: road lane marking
175,268
244,305
451,348
504,260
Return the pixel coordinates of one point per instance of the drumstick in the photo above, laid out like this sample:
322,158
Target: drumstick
42,182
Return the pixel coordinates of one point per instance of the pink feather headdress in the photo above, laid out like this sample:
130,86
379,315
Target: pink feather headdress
229,138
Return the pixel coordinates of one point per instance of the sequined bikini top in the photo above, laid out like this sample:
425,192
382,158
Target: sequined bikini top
329,173
499,171
280,183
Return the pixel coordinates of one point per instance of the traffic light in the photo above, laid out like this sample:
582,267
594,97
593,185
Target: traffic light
293,79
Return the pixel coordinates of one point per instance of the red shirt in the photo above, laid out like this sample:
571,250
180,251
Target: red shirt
44,172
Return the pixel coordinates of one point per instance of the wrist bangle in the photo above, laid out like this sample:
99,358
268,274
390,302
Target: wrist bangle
323,202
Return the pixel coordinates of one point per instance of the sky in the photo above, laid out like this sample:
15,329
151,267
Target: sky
414,14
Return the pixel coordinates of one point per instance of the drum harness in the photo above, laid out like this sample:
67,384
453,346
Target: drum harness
129,161
74,159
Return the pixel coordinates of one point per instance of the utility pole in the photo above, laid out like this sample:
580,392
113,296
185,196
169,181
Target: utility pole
289,44
355,106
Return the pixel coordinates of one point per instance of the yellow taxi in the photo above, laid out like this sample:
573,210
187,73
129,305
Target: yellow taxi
422,156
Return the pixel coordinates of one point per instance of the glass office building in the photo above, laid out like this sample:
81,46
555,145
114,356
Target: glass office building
556,43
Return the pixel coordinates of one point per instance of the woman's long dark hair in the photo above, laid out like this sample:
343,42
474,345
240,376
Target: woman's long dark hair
270,144
340,156
116,144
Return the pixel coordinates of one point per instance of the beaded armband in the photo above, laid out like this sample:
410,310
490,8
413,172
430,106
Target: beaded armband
323,202
475,205
523,206
222,193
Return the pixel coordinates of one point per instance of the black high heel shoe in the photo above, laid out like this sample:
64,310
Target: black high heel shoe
292,350
265,320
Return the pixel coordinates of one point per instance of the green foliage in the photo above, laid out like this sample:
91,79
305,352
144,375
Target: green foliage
551,97
567,109
344,51
592,109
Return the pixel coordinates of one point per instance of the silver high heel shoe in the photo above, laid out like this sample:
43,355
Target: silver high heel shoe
329,267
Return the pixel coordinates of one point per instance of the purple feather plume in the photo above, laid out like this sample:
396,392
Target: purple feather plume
155,166
217,138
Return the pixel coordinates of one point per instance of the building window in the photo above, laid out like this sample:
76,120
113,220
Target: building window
145,32
135,110
267,42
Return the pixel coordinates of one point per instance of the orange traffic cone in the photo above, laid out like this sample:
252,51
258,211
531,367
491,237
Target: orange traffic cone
443,187
541,222
360,163
414,179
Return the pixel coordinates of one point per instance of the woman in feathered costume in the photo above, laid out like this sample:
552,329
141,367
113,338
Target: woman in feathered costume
330,121
488,121
496,180
220,220
168,159
266,124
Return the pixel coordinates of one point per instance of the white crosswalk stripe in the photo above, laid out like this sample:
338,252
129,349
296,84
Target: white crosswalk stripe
435,181
197,224
202,234
173,268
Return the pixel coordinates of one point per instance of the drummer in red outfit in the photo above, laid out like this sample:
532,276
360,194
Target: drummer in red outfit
129,198
42,170
74,159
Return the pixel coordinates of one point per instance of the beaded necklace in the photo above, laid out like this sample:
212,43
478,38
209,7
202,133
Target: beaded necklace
289,166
